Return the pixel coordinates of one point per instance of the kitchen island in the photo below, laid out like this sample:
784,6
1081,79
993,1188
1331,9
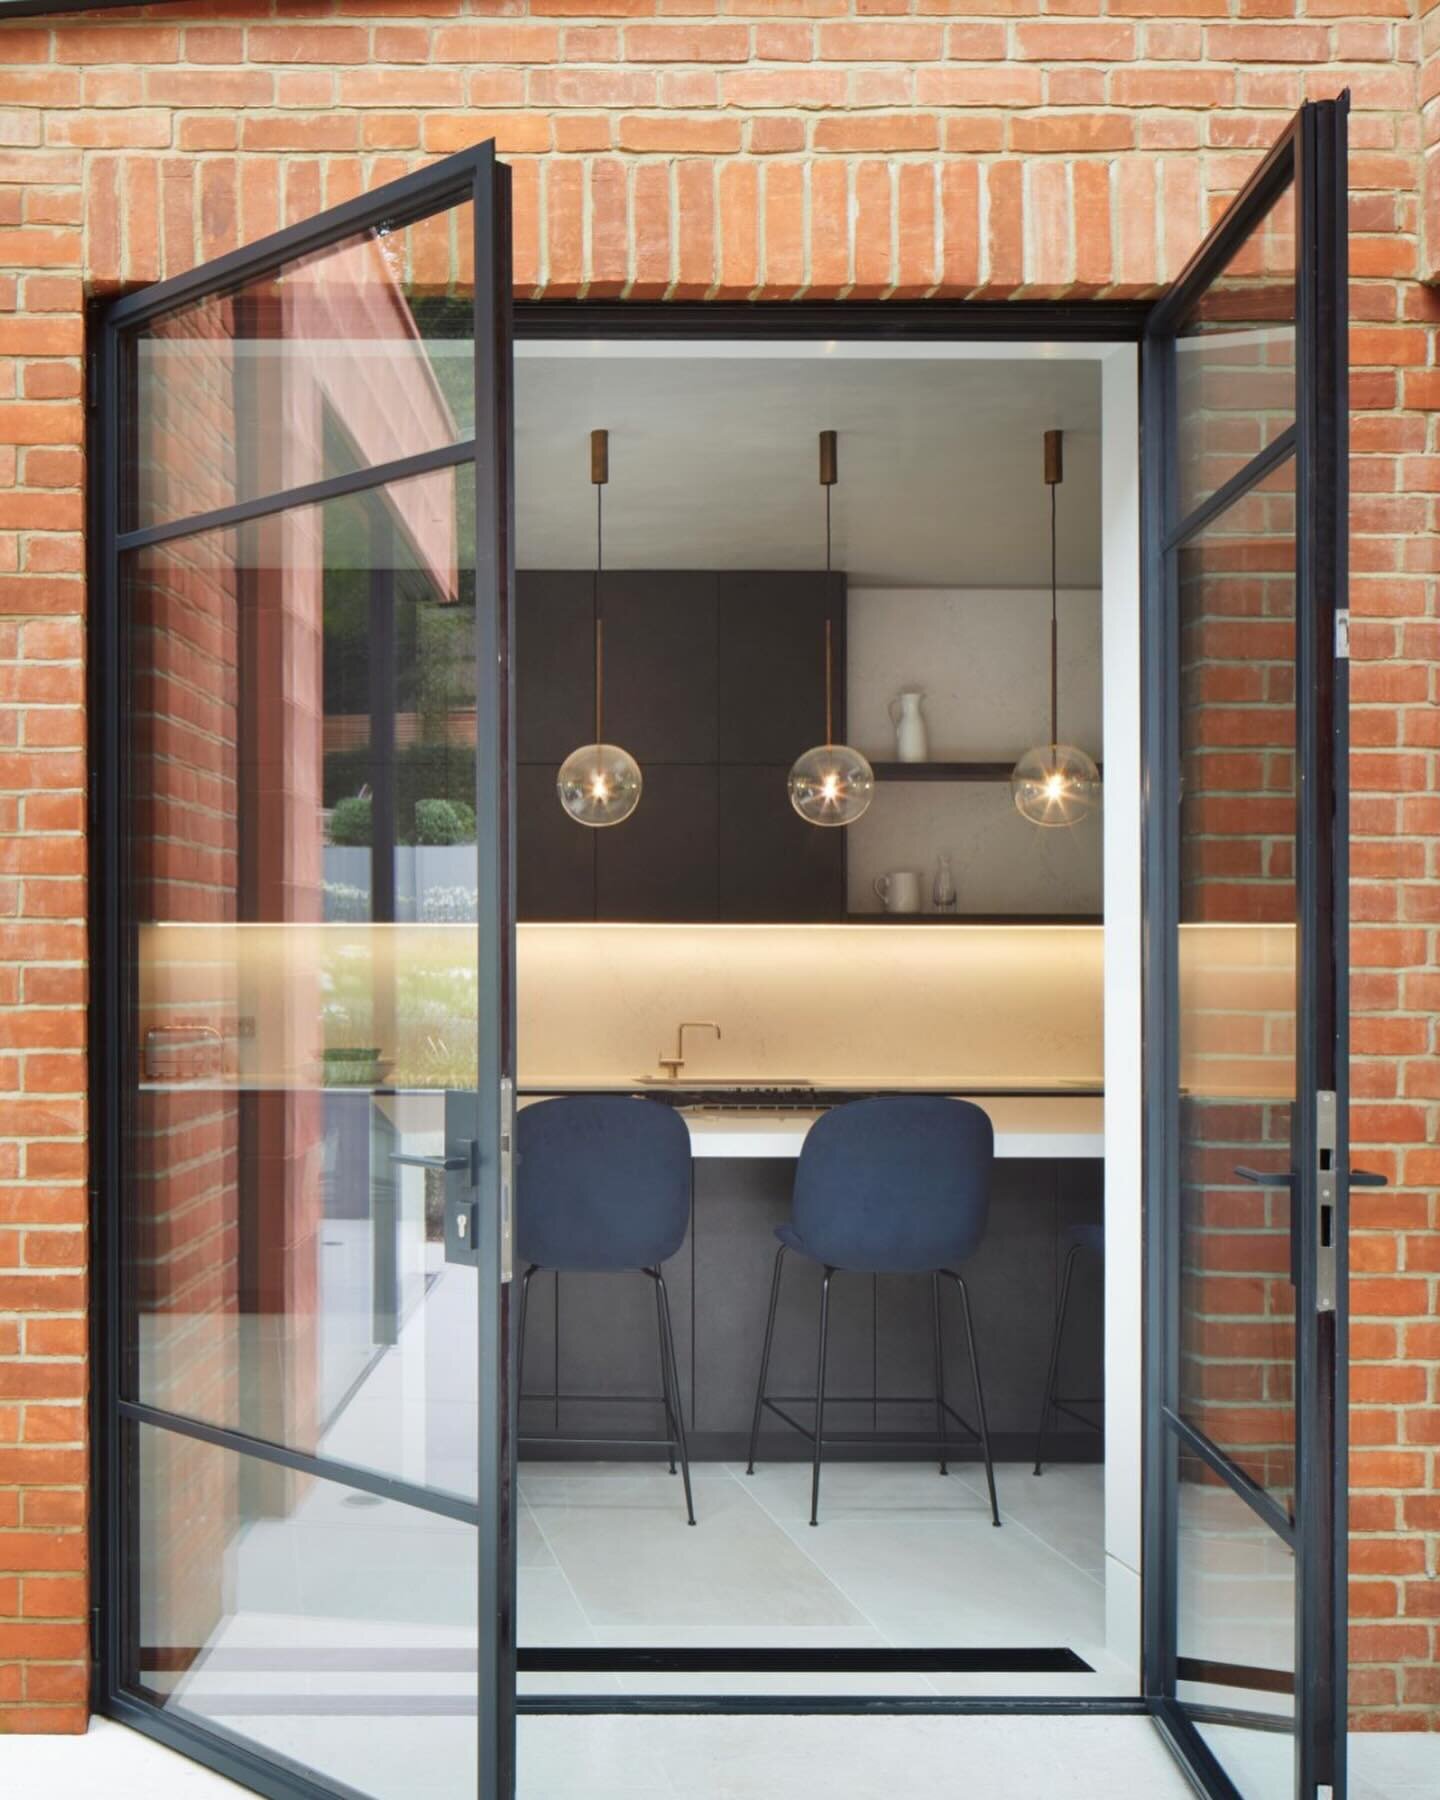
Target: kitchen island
1048,1177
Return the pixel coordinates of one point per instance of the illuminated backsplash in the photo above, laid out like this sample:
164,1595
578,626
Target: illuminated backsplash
308,1005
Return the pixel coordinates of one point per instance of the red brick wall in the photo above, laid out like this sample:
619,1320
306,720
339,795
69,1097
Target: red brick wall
709,148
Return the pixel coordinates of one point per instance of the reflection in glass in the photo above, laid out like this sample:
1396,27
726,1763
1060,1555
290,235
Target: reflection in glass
301,833
328,365
329,1627
1235,360
1235,1630
1237,979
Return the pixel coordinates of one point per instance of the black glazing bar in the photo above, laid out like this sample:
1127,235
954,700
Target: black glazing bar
1016,321
1216,251
431,190
1235,1478
1238,1675
747,1659
844,1706
1264,463
350,1475
310,493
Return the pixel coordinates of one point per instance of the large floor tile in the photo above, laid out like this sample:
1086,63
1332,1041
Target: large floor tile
634,1562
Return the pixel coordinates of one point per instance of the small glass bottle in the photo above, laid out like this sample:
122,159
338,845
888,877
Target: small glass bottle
942,891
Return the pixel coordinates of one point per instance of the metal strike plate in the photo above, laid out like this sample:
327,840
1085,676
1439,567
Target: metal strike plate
1326,1200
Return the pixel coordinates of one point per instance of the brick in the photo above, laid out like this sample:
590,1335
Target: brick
674,133
687,43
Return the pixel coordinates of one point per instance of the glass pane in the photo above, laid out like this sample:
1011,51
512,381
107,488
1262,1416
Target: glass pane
313,1622
1235,360
1237,978
343,359
301,836
1235,1631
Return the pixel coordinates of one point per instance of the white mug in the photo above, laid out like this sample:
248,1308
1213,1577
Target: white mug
900,891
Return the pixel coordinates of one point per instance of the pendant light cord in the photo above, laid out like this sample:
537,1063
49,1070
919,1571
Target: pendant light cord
1054,632
599,621
829,717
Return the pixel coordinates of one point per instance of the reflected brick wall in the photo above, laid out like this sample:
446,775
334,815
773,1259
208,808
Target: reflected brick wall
1237,1025
184,1189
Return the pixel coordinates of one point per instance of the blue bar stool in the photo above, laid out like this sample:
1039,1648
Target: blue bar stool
1090,1241
604,1188
882,1187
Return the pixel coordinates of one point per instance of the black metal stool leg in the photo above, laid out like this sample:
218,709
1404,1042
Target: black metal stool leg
675,1391
939,1373
979,1394
765,1358
1048,1405
820,1397
665,1375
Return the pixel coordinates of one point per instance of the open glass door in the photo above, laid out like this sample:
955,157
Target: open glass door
1245,453
306,984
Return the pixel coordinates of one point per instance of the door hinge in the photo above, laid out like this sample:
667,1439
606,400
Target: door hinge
1326,1219
94,1634
1342,631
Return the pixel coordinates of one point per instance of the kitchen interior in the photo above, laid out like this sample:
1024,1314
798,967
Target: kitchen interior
799,627
731,555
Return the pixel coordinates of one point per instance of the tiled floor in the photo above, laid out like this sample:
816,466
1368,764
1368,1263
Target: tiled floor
901,1558
756,1759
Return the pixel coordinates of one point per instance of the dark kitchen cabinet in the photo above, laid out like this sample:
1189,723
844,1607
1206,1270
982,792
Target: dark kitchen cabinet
554,664
715,682
772,663
773,866
554,857
663,862
661,679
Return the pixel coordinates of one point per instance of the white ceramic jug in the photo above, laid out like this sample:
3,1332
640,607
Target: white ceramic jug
911,743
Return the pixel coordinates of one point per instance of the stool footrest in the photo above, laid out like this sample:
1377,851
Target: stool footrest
972,1436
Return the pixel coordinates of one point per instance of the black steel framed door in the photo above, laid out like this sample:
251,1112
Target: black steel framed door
1246,638
305,999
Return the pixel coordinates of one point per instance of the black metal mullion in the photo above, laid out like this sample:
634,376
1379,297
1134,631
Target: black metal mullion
1197,1760
919,321
1264,463
323,1468
265,1771
496,1405
1264,1505
1245,211
428,191
309,493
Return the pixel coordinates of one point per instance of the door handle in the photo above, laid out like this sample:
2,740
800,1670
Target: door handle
1262,1178
448,1165
1371,1178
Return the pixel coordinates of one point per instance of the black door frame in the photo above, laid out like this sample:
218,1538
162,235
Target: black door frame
1307,156
902,321
475,177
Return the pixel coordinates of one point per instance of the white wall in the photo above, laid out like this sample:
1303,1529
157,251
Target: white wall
982,658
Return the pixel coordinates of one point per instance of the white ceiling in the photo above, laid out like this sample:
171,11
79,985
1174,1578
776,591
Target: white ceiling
713,462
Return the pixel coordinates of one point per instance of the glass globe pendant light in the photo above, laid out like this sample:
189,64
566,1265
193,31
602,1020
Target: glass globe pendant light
1055,783
832,784
599,784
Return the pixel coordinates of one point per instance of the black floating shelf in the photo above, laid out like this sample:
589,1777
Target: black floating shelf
943,771
869,918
